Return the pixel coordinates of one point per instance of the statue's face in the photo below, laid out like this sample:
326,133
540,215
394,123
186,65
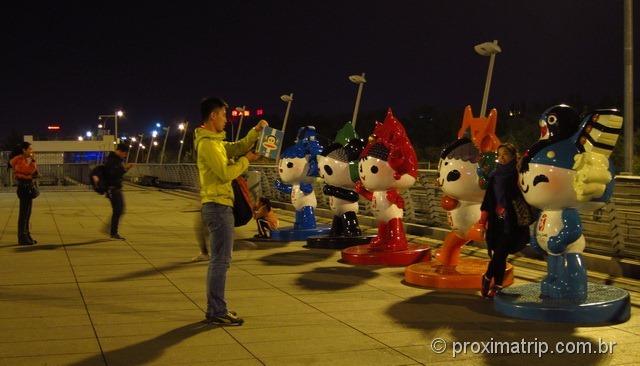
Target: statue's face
548,187
459,179
335,172
293,170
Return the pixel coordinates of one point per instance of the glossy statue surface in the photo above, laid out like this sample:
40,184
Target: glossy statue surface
298,168
339,170
459,181
387,166
568,166
462,175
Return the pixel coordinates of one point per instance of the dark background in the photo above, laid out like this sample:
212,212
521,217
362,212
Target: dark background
67,64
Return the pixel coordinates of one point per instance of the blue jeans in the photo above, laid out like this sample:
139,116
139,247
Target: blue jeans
219,221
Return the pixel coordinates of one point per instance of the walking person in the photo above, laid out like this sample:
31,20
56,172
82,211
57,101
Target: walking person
25,170
114,169
503,234
216,173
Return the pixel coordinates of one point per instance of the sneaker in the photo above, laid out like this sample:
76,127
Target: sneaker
229,319
117,237
201,257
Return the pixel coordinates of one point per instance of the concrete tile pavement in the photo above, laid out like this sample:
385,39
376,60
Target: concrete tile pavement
78,298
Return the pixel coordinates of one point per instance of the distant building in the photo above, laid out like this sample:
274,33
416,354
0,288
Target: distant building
71,151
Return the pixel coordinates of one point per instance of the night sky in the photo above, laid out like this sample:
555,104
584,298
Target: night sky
68,64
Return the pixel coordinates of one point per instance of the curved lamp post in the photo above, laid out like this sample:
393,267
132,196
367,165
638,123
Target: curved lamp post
182,127
241,111
360,80
490,49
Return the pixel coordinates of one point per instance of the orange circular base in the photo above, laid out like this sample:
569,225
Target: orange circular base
466,275
362,254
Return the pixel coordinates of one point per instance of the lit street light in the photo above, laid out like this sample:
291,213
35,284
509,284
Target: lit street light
89,134
139,146
490,49
152,141
80,138
360,80
164,144
182,127
115,116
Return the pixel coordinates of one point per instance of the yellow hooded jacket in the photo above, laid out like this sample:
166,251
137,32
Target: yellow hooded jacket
214,169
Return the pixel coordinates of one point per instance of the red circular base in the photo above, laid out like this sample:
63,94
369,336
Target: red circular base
467,274
361,254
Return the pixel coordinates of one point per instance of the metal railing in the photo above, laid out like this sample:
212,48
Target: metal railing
613,229
53,176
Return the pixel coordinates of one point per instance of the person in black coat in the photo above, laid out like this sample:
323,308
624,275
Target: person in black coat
503,235
114,170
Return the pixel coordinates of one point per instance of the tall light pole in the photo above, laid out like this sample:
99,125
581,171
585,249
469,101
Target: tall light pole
490,49
139,146
360,80
288,98
133,139
182,127
151,144
117,114
240,110
164,144
628,86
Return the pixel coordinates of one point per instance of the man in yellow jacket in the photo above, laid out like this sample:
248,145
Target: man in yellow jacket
216,173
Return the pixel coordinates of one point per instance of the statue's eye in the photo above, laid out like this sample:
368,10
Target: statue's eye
289,165
374,169
328,170
446,163
552,120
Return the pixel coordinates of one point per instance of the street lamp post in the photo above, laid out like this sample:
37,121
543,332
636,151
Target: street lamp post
115,116
151,141
360,80
628,86
182,127
490,49
286,98
164,144
139,145
241,111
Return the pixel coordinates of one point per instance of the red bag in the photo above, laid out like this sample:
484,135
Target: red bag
242,202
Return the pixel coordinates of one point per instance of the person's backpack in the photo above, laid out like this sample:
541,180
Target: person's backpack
97,179
242,203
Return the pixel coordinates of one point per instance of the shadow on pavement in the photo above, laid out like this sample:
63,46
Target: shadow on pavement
35,247
335,278
145,352
297,258
465,317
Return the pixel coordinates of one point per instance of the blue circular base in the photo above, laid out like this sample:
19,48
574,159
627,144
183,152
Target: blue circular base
291,234
604,304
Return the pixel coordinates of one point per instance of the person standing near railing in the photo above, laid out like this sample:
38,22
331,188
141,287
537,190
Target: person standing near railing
25,170
114,169
216,173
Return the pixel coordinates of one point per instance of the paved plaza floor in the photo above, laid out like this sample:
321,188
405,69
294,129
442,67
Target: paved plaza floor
79,298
